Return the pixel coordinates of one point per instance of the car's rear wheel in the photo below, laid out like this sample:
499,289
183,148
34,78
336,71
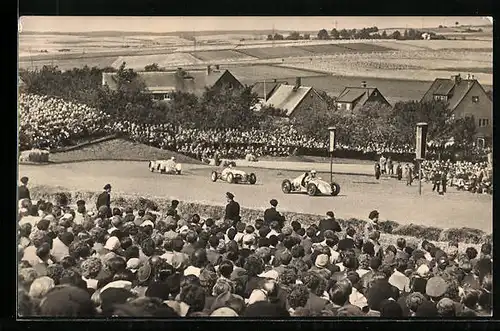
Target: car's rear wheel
252,179
312,189
335,189
214,176
286,186
151,166
230,178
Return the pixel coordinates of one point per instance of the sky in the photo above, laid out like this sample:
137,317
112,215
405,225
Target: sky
192,23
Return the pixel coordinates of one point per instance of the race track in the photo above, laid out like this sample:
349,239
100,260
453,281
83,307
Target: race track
359,194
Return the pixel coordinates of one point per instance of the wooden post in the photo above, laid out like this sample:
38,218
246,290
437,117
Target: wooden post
332,148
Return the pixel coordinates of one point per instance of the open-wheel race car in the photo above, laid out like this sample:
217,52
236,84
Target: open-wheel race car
308,182
165,166
232,175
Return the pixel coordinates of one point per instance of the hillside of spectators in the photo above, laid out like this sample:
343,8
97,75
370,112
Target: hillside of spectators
49,123
83,262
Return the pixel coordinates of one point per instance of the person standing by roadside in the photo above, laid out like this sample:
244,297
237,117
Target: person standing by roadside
104,199
436,181
232,209
390,170
377,170
399,171
409,175
24,192
444,179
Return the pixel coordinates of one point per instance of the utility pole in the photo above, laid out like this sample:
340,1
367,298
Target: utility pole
273,36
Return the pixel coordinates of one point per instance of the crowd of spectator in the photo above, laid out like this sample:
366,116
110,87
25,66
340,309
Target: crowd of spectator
48,123
113,262
473,177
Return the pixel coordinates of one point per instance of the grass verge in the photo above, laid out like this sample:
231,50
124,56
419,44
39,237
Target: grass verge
391,231
118,149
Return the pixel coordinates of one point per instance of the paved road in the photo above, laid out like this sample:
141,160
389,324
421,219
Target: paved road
359,194
337,168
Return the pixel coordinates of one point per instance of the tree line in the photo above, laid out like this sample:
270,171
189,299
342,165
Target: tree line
374,33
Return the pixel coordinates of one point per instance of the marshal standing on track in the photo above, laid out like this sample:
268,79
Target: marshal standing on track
232,209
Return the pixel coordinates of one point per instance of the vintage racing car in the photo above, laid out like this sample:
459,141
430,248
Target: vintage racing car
165,166
311,184
232,175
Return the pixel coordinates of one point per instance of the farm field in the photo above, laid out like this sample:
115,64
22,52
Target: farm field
366,47
163,60
275,52
252,74
69,64
221,55
448,44
327,49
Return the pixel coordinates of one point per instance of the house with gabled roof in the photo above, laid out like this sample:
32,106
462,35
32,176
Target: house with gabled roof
296,99
352,98
466,97
160,84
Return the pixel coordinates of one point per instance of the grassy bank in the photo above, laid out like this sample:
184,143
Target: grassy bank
390,230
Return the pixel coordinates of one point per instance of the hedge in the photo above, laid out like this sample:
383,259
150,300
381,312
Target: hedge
391,229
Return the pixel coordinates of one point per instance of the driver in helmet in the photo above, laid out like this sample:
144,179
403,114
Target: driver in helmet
227,169
308,177
170,165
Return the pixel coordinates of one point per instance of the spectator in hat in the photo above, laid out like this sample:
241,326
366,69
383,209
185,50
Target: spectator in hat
436,288
272,215
23,191
372,223
67,301
232,209
104,199
426,309
172,210
390,309
329,223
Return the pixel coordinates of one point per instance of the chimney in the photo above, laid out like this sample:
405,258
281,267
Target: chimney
472,77
363,84
468,76
209,69
458,79
298,82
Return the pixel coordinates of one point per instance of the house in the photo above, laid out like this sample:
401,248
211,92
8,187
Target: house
265,89
160,84
426,36
466,98
352,98
296,99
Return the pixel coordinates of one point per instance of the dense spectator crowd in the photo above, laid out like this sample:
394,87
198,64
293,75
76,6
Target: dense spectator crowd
468,176
111,262
49,122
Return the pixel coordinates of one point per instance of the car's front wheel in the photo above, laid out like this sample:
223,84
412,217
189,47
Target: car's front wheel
335,189
230,178
252,179
286,186
214,176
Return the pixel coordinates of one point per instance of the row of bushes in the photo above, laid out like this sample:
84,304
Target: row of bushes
61,196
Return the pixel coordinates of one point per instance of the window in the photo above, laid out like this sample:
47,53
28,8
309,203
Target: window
440,97
483,122
480,142
347,106
475,99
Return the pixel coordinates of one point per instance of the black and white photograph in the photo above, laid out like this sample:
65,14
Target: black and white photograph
255,167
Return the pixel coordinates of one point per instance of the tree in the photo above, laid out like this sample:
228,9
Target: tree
330,101
396,35
384,35
334,34
405,35
307,36
152,67
294,36
489,93
344,34
269,37
463,131
323,35
457,23
278,36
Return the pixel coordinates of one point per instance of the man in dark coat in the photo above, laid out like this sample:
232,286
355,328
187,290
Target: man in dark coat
399,171
436,181
24,192
329,223
104,199
377,170
271,214
232,209
172,210
443,181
